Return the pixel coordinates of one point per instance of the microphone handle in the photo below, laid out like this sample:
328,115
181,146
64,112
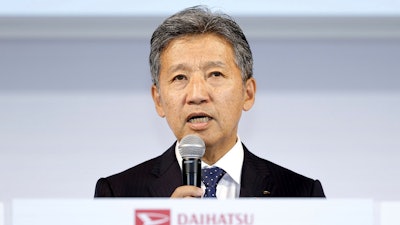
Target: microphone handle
191,171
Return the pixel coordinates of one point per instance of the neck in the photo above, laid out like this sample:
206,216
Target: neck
216,152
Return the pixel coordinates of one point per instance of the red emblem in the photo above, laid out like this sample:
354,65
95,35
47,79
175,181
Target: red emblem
152,217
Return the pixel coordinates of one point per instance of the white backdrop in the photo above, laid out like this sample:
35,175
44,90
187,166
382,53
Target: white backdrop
58,145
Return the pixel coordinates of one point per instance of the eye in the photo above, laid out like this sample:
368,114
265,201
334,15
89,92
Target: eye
179,77
216,74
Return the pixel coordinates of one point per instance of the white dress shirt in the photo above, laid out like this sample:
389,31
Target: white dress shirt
229,185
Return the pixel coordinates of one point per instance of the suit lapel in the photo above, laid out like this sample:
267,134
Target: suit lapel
167,173
255,173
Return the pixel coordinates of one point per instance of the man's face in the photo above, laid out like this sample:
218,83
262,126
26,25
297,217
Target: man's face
201,90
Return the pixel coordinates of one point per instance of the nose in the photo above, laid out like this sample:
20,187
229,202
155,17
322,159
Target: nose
197,91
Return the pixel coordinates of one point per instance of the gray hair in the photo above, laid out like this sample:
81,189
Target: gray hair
200,20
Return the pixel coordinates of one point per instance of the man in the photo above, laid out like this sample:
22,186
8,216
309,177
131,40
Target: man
201,66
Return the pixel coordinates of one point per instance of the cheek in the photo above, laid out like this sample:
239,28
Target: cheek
170,104
231,104
233,97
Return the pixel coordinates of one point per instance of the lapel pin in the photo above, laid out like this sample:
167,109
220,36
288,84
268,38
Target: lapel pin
266,192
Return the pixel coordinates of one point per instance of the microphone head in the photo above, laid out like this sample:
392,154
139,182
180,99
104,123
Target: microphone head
191,146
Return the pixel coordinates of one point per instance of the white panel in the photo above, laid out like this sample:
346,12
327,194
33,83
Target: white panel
193,211
159,7
2,214
390,213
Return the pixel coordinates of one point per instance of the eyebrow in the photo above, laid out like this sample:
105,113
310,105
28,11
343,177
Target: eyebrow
205,66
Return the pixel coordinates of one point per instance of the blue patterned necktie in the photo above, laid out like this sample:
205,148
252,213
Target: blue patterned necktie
210,178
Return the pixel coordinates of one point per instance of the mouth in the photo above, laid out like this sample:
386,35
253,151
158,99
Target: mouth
198,118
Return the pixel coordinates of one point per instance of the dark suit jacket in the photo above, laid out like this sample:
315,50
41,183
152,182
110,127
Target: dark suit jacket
159,177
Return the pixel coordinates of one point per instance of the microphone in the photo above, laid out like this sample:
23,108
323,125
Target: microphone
191,148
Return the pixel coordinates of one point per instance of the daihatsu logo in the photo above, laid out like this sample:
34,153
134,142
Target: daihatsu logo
152,217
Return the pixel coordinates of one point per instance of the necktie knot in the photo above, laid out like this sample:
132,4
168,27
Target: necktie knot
211,177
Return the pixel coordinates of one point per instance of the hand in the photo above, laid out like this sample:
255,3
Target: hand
187,191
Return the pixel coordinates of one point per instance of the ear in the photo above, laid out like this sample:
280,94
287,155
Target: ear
157,100
250,94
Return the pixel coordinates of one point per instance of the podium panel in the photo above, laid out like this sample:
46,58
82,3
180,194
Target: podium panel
2,214
192,212
390,213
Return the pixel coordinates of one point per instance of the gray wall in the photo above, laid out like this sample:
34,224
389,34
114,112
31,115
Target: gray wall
122,65
75,103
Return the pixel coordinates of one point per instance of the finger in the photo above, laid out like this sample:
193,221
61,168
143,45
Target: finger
187,191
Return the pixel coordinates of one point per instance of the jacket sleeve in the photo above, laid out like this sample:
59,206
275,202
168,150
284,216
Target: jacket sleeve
317,190
103,189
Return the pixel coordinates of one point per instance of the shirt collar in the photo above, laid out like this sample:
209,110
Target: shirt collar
231,162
